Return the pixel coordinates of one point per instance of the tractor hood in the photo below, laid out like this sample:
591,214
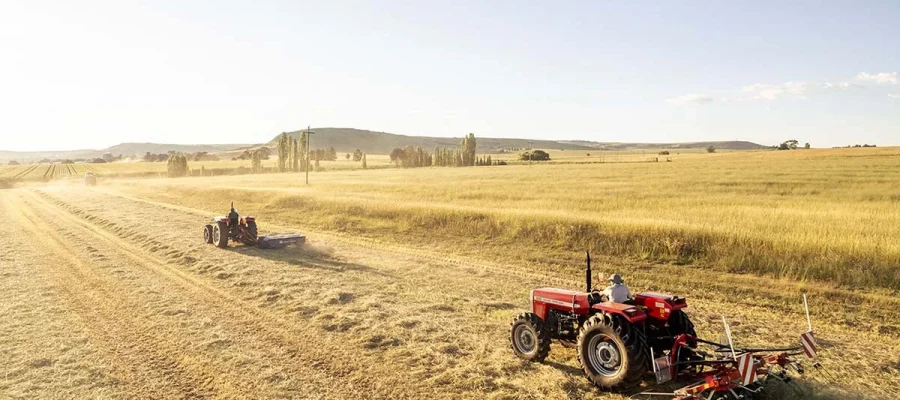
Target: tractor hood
560,299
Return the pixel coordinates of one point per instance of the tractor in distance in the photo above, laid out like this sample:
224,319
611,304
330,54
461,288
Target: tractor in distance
239,229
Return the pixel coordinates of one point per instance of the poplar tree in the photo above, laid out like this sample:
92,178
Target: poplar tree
295,157
283,148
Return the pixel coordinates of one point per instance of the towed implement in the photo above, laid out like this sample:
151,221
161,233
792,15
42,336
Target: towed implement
239,229
620,344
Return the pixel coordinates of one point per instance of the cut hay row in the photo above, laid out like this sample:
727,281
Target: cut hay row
25,172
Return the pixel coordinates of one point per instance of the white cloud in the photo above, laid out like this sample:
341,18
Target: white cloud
840,85
896,96
690,99
765,91
882,78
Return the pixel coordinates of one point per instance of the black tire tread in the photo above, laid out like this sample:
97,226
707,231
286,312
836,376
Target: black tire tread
223,234
208,228
543,336
251,228
635,353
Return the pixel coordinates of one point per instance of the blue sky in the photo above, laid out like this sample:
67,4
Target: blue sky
94,74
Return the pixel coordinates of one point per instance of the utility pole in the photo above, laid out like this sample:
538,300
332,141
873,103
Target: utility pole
308,134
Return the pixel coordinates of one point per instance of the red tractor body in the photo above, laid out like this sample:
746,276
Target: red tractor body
620,343
547,300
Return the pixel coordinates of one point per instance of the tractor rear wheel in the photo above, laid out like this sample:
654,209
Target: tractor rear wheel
220,235
611,352
529,338
680,323
208,234
251,229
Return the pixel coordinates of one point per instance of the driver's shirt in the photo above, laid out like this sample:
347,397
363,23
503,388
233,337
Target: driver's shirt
617,293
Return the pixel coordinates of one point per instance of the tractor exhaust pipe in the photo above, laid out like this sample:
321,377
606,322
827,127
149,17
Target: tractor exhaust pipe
587,273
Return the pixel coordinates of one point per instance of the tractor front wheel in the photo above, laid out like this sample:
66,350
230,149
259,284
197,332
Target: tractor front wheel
220,235
208,234
529,338
611,353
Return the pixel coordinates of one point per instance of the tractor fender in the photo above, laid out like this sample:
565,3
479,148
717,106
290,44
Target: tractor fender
631,313
660,306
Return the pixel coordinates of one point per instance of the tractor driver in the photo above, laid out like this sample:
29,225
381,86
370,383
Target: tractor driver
617,292
233,218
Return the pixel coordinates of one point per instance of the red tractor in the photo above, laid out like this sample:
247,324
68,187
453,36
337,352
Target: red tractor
234,227
620,344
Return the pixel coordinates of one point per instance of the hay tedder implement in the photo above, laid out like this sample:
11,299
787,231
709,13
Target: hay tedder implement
243,230
621,344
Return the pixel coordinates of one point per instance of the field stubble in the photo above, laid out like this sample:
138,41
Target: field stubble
829,216
384,302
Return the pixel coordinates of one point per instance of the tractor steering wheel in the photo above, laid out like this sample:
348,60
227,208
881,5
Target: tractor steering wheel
596,297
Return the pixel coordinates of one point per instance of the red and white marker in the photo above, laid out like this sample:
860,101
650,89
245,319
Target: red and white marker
747,368
808,341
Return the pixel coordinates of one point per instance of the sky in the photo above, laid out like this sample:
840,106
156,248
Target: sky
91,74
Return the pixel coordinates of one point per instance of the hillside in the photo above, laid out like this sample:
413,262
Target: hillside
348,139
126,149
724,145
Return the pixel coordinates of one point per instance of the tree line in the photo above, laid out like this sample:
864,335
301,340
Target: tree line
463,156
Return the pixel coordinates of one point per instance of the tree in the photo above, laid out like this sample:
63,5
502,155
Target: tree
535,155
295,155
467,149
14,162
788,145
364,165
301,151
348,156
176,166
397,155
357,155
806,146
283,149
710,149
256,162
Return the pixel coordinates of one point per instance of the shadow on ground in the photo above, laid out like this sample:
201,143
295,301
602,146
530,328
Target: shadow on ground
308,256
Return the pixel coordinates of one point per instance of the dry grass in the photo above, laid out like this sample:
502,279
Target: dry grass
821,215
412,277
44,172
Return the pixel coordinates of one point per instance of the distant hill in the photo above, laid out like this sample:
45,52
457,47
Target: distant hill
126,149
348,139
724,145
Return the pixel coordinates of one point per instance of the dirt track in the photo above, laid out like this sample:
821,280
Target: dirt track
104,295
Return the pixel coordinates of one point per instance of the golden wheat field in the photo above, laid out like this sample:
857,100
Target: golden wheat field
410,277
